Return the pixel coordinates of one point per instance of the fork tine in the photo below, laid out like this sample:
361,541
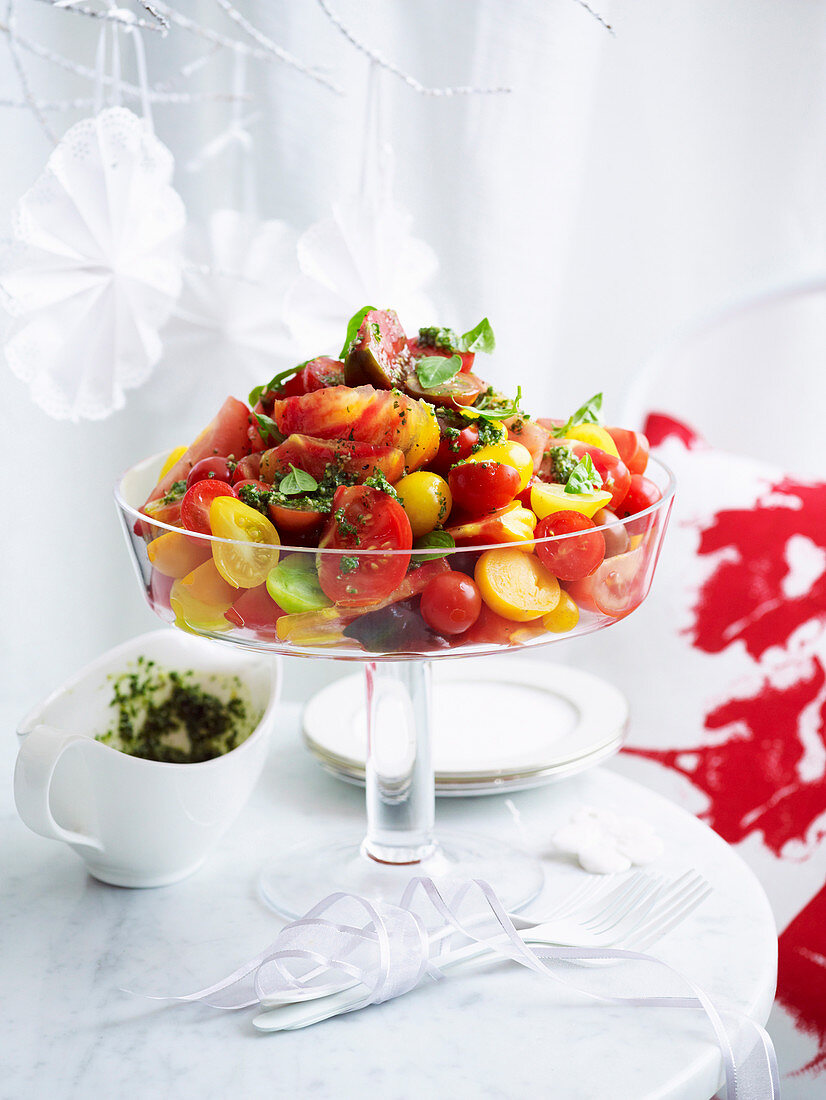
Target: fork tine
642,943
628,898
649,907
665,918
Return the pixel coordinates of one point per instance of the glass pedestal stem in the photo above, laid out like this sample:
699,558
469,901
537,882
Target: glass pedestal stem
399,772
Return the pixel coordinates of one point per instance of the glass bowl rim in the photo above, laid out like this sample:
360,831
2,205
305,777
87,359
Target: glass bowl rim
432,552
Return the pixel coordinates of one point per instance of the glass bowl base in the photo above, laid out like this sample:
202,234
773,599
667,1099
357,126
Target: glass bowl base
296,881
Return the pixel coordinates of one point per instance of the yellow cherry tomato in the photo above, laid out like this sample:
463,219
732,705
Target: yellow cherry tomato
594,436
564,616
548,497
200,599
246,562
515,585
426,499
508,453
171,459
175,555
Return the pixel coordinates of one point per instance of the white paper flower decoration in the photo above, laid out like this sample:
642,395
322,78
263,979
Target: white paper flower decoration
95,268
364,254
228,324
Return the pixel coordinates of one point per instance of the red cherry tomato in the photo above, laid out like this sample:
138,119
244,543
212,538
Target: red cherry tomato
196,502
483,486
618,584
248,469
574,557
262,486
641,494
632,447
294,520
616,478
451,603
215,467
454,448
363,519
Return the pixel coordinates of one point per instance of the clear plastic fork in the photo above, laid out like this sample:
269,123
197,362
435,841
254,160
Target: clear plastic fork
632,916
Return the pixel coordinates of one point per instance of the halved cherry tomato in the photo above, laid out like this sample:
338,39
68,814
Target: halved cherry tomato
215,467
632,447
451,603
363,519
641,494
548,497
616,478
197,502
618,585
295,519
513,524
483,486
456,443
615,535
575,556
594,435
246,561
516,585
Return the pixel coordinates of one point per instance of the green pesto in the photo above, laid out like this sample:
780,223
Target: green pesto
165,715
176,491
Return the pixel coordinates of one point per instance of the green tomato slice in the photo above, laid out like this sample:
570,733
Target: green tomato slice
293,584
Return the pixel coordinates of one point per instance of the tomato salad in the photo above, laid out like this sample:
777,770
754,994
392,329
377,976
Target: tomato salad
391,501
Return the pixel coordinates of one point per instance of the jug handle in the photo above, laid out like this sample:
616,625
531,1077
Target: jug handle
37,759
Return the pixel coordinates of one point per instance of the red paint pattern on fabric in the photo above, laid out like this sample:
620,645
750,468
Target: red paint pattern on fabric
801,974
659,426
754,779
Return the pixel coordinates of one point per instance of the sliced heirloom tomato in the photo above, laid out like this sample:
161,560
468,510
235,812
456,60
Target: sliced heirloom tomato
379,355
632,447
418,350
385,418
314,455
572,556
175,555
200,599
363,519
245,562
226,435
462,389
314,375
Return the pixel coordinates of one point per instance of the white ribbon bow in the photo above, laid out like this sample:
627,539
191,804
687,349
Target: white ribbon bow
389,949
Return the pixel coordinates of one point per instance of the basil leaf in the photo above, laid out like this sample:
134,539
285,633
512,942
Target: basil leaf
353,326
296,482
496,411
584,477
268,428
276,382
433,370
479,338
433,539
589,413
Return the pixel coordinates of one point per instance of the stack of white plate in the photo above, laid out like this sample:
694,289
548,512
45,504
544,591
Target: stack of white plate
500,724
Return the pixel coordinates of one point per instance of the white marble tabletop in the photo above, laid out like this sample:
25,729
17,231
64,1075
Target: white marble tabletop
71,946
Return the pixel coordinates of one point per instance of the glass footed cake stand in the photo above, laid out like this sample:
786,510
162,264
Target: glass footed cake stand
178,575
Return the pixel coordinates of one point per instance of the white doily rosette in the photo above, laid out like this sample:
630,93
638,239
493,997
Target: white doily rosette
228,324
364,254
95,268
